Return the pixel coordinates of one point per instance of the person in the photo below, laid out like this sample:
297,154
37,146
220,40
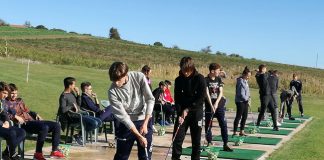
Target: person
34,125
146,70
299,87
132,105
274,86
189,95
242,100
89,101
285,99
216,108
69,103
265,96
169,102
158,94
13,135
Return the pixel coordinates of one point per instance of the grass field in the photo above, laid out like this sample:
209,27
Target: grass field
45,84
56,47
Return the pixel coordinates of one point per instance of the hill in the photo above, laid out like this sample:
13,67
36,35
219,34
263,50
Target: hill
57,47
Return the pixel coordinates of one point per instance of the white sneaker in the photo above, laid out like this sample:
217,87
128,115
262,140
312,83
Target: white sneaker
278,124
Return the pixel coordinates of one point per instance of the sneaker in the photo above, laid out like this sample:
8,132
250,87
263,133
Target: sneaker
57,154
15,157
291,118
275,129
278,124
226,148
78,139
39,156
302,115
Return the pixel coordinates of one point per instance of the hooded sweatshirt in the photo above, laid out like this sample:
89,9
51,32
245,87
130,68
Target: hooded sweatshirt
133,101
189,92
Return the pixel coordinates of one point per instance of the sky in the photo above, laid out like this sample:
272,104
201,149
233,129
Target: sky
283,31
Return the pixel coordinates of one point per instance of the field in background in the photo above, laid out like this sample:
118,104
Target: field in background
56,47
45,85
57,54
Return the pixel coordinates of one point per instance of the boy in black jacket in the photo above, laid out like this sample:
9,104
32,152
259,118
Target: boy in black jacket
297,84
189,95
265,96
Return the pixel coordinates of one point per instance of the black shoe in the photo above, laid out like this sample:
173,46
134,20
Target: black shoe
291,118
78,139
5,154
226,148
275,129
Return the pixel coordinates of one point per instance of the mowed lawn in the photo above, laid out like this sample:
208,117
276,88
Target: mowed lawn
45,85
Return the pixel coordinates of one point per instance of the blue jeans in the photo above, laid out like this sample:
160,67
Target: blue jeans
220,115
91,123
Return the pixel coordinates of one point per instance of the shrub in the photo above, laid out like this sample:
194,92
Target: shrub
41,27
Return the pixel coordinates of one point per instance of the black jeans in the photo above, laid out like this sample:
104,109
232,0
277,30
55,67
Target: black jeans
13,136
267,101
194,121
299,102
241,112
42,128
282,108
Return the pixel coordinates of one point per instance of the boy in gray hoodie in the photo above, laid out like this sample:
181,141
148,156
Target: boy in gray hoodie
132,105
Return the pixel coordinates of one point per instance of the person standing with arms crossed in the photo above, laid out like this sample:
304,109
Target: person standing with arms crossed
132,105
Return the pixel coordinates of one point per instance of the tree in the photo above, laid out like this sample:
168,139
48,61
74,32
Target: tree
206,50
175,47
3,23
219,53
159,44
113,34
235,55
41,27
27,24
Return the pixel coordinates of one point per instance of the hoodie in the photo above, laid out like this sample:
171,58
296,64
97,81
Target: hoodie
189,92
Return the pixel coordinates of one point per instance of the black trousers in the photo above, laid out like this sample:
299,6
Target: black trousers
267,101
194,121
299,102
125,141
283,105
42,128
242,109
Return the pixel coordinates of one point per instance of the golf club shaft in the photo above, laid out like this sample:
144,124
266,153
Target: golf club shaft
209,126
172,141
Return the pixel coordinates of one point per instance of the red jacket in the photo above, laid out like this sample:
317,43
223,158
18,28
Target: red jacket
167,96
